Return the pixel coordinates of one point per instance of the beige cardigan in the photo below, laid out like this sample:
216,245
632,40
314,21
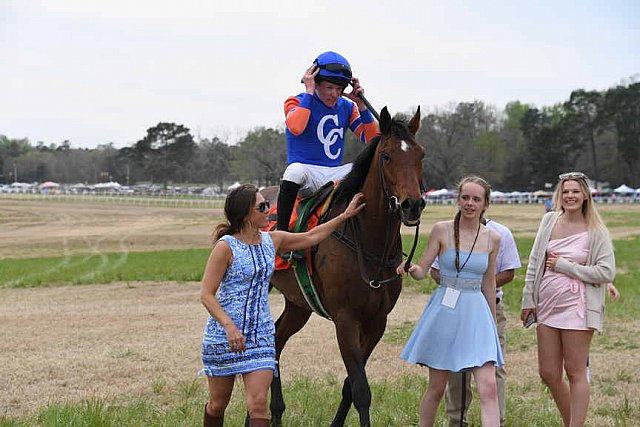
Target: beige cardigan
599,269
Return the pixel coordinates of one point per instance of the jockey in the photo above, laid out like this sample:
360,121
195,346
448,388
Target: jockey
316,127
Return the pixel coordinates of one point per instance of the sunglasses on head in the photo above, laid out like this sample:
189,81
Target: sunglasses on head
573,175
263,206
335,67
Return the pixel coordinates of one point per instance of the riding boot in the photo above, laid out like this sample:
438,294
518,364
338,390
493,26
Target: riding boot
286,200
212,421
259,422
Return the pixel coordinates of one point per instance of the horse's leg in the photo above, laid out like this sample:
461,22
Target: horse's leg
292,319
369,337
345,405
348,331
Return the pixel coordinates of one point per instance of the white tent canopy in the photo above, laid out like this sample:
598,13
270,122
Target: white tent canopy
110,184
234,186
542,193
443,192
21,185
624,189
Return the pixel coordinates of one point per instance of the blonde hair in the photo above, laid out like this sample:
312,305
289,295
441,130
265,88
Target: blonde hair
589,211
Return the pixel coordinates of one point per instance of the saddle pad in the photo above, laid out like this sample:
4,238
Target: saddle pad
306,215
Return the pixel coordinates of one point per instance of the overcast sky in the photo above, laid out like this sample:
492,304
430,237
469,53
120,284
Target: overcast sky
95,72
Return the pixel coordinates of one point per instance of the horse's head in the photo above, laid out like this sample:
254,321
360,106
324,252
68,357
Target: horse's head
399,157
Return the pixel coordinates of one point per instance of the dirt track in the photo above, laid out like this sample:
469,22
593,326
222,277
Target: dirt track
72,343
29,229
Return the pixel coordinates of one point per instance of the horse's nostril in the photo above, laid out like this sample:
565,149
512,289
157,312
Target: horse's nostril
413,207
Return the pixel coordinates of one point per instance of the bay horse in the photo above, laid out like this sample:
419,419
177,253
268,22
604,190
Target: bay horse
354,269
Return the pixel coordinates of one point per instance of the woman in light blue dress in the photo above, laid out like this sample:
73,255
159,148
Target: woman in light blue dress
457,329
239,335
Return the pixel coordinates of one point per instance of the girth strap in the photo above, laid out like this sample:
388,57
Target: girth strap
308,289
300,270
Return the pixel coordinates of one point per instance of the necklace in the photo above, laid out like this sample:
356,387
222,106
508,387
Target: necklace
458,270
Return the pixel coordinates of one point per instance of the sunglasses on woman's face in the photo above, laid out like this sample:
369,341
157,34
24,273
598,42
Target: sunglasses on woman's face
263,206
572,175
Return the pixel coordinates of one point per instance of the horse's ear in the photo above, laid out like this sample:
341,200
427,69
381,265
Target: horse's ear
385,121
414,124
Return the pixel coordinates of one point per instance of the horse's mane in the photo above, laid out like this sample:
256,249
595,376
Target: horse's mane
353,182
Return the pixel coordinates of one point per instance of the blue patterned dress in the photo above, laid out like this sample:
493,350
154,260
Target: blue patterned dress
243,295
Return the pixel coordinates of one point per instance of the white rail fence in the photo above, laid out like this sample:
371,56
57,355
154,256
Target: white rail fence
122,199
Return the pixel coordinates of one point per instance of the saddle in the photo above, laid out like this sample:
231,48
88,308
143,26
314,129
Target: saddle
308,212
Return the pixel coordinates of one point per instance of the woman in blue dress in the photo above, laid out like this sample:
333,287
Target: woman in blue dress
239,335
457,329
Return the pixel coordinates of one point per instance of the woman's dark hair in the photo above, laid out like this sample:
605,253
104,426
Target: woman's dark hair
237,207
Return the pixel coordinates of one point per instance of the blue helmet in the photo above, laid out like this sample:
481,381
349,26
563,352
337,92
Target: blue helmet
333,68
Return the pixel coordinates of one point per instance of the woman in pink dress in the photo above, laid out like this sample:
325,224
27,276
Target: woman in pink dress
570,264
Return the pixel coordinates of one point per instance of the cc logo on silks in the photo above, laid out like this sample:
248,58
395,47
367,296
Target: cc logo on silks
331,138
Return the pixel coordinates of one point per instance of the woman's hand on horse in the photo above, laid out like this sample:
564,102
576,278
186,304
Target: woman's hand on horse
235,338
355,206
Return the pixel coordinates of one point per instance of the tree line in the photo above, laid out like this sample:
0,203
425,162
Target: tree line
521,147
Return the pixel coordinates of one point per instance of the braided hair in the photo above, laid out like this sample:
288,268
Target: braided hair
456,221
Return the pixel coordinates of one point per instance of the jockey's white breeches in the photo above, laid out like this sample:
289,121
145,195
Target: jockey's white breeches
312,177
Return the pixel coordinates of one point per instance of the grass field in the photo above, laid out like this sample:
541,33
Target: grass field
101,326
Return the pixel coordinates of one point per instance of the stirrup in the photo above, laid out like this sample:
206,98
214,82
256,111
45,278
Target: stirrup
292,256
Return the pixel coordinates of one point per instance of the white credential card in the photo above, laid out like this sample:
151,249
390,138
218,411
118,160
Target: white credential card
450,298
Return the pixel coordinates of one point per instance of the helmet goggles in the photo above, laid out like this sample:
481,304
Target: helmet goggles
335,68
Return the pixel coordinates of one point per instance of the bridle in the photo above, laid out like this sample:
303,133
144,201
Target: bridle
393,207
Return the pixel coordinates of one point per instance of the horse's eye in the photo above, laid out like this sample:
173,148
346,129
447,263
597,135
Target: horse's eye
385,156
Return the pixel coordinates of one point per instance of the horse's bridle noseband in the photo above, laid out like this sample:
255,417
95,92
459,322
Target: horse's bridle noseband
393,201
